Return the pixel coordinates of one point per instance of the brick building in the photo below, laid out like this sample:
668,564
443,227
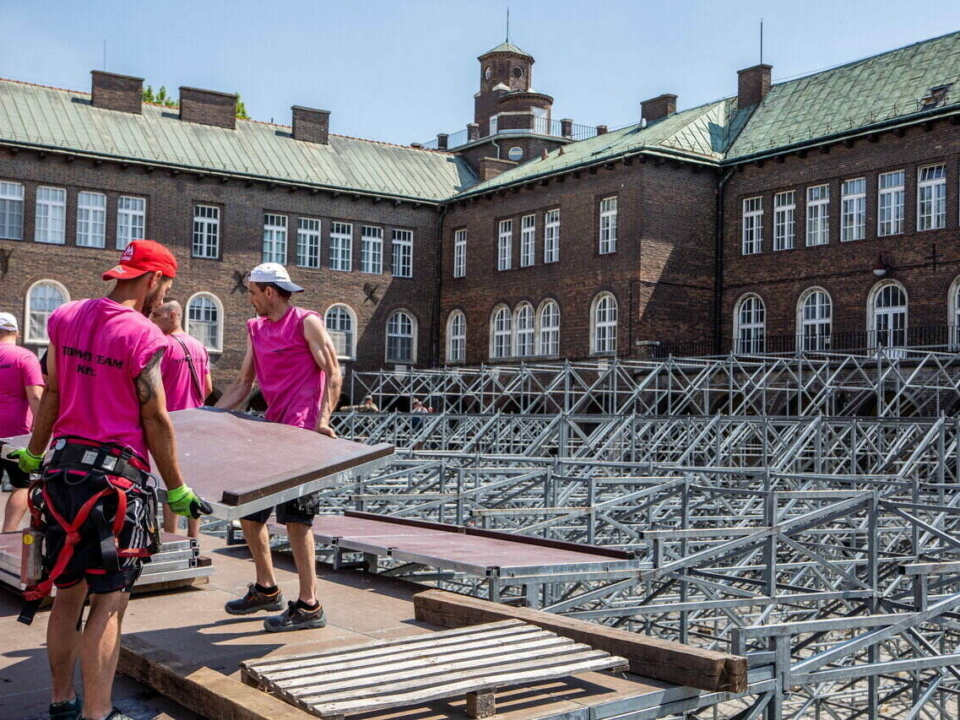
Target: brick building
816,213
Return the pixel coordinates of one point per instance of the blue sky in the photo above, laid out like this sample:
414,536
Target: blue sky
403,70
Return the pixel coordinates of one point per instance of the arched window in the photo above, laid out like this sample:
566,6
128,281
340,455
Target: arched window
401,338
456,337
953,313
603,321
341,326
887,312
548,338
750,325
501,335
43,297
204,320
814,319
523,321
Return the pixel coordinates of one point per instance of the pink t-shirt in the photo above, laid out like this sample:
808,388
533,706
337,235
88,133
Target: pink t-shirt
102,347
291,382
183,392
19,368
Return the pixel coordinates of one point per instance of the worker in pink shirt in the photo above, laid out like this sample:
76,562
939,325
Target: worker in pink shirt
185,370
20,386
292,358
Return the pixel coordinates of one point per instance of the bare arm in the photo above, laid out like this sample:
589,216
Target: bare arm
157,427
34,393
48,409
239,389
207,385
325,355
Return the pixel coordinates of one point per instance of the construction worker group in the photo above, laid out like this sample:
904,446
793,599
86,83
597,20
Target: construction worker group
97,407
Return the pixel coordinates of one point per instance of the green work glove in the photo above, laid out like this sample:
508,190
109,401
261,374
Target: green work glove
27,461
184,501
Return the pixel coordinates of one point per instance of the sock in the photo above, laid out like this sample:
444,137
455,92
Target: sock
309,608
272,590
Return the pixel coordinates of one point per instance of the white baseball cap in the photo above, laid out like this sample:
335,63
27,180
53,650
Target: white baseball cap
274,273
8,322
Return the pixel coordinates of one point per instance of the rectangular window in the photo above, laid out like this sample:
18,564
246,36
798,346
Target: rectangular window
932,197
890,203
551,236
528,240
51,215
91,220
11,210
818,215
752,226
460,254
371,250
784,220
608,225
505,245
402,253
341,243
308,242
206,231
493,124
853,210
131,220
275,239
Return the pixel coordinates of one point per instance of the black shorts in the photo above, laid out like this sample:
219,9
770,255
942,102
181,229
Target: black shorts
18,478
291,511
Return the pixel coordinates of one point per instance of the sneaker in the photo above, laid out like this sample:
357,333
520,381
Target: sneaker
253,601
117,715
296,618
67,710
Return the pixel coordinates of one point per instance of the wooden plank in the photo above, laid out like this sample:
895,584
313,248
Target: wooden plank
652,657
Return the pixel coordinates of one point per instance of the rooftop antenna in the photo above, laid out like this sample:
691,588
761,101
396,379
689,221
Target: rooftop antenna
508,24
761,41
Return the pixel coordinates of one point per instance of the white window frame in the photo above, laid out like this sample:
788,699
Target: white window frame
528,240
348,337
814,328
818,215
953,313
206,231
750,333
371,249
401,253
784,220
501,333
51,215
91,219
341,246
11,210
874,314
608,225
131,219
890,203
752,236
604,331
309,246
494,124
548,335
853,209
30,336
274,238
932,197
413,338
460,253
551,236
525,330
504,245
456,337
217,347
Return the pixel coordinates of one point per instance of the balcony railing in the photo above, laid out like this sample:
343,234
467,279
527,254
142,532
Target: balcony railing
541,126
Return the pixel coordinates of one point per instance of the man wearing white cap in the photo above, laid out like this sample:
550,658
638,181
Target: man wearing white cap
292,358
21,385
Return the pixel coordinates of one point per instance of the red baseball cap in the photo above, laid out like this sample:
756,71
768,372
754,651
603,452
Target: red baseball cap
140,257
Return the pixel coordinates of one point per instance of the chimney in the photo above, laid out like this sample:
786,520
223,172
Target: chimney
601,129
473,132
311,125
442,141
566,128
117,92
753,84
208,107
658,107
491,167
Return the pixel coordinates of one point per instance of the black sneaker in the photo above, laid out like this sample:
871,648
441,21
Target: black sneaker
67,710
253,601
296,618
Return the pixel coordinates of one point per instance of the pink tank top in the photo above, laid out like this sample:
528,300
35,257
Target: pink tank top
291,382
102,347
19,368
183,392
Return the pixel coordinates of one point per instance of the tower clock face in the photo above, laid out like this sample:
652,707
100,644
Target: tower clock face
488,73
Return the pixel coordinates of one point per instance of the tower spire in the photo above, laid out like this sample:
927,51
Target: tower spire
508,24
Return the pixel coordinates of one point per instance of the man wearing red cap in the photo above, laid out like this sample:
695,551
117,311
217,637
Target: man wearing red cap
104,407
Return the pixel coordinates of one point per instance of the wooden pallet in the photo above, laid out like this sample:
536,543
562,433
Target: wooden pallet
471,661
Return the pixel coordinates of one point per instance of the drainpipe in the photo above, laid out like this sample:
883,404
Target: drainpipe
497,146
718,264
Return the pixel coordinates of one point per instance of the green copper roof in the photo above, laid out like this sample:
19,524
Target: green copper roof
64,120
507,47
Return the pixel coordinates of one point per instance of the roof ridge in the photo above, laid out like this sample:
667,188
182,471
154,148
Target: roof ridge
40,85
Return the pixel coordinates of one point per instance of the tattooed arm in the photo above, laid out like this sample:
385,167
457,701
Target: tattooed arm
156,422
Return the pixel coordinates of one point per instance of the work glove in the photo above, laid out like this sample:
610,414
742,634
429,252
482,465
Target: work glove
26,460
184,501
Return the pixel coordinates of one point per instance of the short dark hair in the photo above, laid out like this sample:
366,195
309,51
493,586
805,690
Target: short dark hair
285,294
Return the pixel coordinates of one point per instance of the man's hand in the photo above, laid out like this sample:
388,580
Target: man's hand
325,429
26,460
184,501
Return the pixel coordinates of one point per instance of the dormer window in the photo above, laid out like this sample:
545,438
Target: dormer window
935,97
